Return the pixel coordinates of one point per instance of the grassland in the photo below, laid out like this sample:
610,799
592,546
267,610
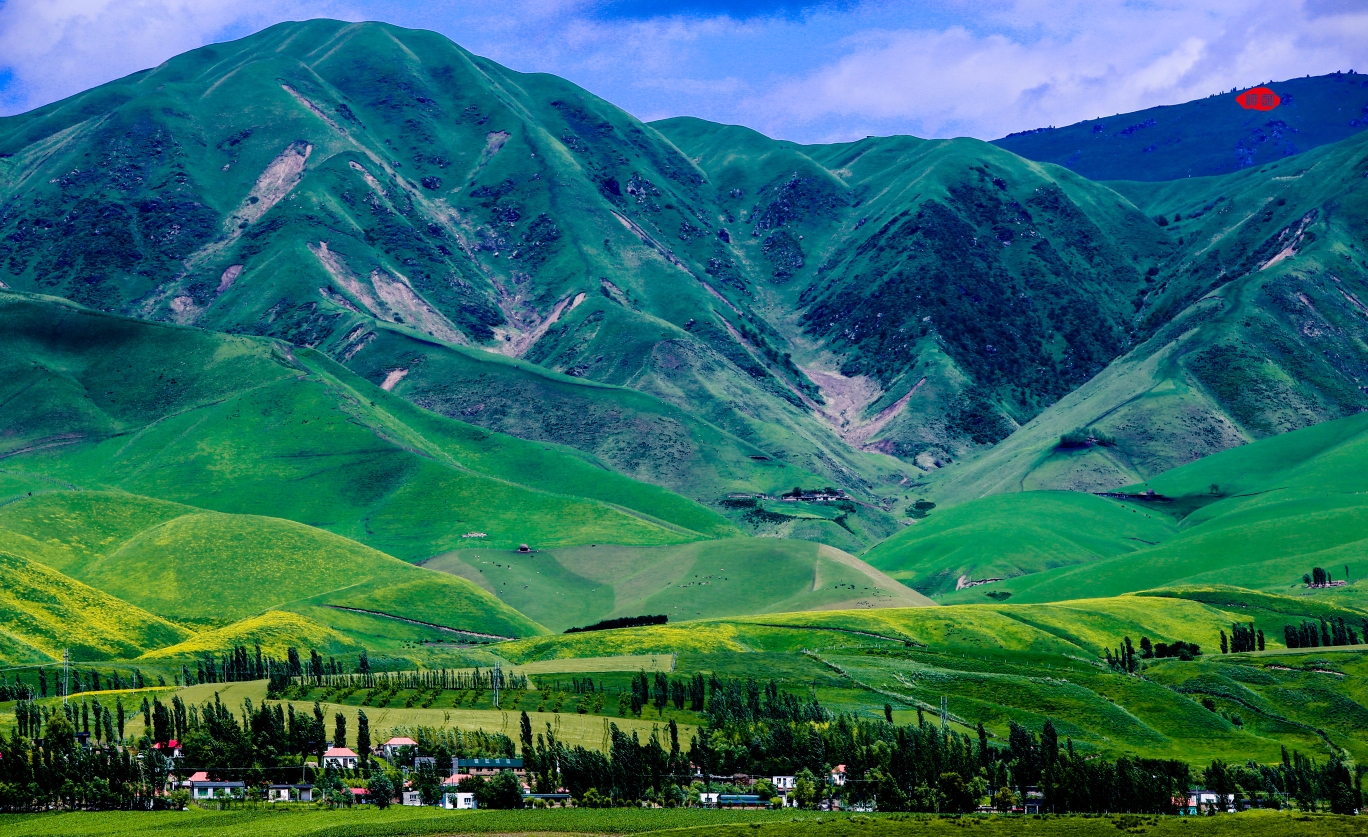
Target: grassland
212,569
561,588
286,821
392,716
1025,663
43,612
1258,516
1009,535
248,426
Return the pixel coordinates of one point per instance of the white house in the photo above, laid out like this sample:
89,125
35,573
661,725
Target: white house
459,801
838,775
202,788
391,748
289,793
708,799
411,797
786,785
1201,800
341,758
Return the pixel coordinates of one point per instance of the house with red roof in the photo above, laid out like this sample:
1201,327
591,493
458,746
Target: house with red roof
391,748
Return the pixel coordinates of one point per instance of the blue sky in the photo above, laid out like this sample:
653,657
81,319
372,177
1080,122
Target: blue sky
806,71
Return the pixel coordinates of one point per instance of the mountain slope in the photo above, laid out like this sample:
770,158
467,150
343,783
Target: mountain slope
333,185
1204,137
385,197
243,425
1260,329
940,293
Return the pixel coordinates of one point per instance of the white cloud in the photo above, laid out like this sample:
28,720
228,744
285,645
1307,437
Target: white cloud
1055,63
55,48
936,68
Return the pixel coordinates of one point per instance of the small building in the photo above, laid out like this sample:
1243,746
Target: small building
740,800
458,801
488,767
391,748
289,793
785,783
171,749
361,796
341,758
708,799
201,787
1201,800
411,797
838,775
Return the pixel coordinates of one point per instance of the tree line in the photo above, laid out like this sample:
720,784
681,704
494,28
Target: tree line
1327,634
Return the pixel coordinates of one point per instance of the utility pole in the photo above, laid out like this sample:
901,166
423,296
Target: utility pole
66,675
496,678
944,713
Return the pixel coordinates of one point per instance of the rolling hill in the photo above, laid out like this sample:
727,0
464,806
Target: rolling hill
581,585
248,426
43,613
1258,516
211,569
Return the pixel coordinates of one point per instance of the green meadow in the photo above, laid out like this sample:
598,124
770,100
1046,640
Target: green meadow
398,821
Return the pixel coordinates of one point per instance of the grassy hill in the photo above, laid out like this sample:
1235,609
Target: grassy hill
43,612
1025,663
1205,137
248,426
577,586
1258,516
276,631
247,564
1009,535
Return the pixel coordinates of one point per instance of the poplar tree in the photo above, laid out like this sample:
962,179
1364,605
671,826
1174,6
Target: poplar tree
339,730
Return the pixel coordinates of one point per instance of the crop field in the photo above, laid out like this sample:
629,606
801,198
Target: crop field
289,821
476,712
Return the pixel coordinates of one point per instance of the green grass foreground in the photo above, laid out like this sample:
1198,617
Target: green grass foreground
279,822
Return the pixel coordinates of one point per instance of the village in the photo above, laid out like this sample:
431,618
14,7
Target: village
459,790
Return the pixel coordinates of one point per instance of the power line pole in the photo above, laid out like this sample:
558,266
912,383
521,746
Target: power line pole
66,675
497,678
944,713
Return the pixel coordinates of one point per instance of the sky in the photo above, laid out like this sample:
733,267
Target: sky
792,69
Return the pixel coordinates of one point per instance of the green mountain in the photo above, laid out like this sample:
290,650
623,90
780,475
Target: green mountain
386,197
1208,136
764,314
1259,327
